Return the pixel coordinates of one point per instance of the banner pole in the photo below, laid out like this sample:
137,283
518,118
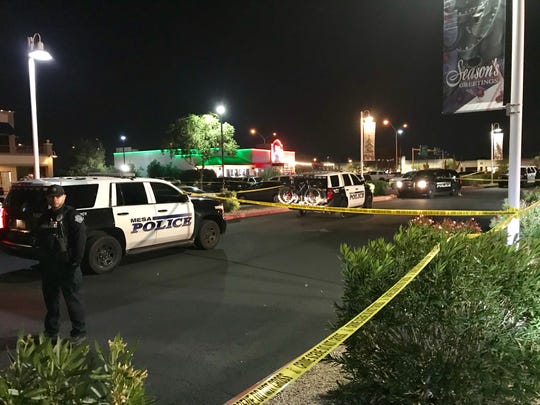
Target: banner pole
515,111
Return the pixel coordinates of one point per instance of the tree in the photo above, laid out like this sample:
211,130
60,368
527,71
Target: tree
88,156
199,137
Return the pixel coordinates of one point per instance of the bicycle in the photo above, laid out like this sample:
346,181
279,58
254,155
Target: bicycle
301,193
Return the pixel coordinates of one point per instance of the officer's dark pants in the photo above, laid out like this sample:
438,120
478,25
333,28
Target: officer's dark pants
56,278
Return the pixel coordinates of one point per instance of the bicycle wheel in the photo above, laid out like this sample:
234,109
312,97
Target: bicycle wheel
313,196
287,195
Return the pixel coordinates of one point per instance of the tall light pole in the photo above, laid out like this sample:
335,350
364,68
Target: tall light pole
220,109
123,139
36,51
364,116
397,132
253,131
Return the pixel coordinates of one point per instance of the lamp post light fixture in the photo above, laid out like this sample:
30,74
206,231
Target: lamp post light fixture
220,109
495,129
397,132
365,116
124,166
253,131
36,51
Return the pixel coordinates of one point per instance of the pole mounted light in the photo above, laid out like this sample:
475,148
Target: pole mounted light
253,131
36,51
220,110
365,116
397,132
124,166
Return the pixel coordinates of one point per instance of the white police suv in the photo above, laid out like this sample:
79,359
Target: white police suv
122,215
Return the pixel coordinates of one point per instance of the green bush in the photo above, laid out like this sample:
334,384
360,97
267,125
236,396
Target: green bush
230,202
62,373
530,220
381,187
466,330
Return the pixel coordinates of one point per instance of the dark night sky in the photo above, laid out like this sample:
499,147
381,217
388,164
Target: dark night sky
303,68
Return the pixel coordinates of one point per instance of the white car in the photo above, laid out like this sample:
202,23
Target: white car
527,175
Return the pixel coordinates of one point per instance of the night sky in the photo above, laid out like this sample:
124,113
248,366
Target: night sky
302,68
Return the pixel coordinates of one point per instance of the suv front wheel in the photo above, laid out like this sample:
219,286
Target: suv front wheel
103,254
208,235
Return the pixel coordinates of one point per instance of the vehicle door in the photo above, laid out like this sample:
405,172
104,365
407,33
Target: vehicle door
133,214
531,175
354,189
174,216
443,181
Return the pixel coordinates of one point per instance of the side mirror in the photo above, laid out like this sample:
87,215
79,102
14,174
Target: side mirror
183,198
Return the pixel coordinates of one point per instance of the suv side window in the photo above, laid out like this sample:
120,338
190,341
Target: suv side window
346,179
131,194
356,181
334,180
81,196
164,193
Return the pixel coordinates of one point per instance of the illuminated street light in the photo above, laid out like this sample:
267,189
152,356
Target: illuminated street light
397,132
220,109
124,166
36,51
253,131
365,118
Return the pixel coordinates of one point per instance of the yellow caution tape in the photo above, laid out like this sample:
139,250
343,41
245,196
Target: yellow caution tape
373,211
257,189
277,381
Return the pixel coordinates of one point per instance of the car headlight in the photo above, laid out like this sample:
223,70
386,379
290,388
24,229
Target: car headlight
399,184
421,184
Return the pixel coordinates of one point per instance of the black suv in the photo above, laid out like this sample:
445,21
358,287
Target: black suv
429,182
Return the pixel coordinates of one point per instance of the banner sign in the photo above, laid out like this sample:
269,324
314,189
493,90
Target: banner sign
473,56
369,140
497,145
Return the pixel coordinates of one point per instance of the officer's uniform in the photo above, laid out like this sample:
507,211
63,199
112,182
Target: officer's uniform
61,241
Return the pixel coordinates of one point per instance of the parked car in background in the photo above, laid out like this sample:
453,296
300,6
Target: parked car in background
528,175
266,191
399,177
191,189
379,175
429,182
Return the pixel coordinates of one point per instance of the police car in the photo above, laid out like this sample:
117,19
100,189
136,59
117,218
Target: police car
122,215
429,182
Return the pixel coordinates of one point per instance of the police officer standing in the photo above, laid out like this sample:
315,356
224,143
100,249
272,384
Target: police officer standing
61,241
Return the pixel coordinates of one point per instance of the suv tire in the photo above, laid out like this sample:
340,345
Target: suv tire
368,202
103,254
208,235
430,192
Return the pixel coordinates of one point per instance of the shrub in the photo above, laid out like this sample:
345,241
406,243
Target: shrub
464,331
381,187
230,202
43,373
530,220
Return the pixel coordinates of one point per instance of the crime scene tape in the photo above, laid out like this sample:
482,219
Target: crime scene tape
376,211
277,381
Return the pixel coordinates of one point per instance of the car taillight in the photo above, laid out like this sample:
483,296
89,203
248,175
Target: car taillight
329,194
2,221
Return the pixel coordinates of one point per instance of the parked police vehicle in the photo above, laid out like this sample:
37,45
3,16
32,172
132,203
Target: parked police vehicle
429,182
122,215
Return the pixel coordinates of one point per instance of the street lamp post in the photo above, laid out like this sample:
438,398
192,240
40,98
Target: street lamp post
36,51
220,109
364,116
495,129
397,132
123,139
253,131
